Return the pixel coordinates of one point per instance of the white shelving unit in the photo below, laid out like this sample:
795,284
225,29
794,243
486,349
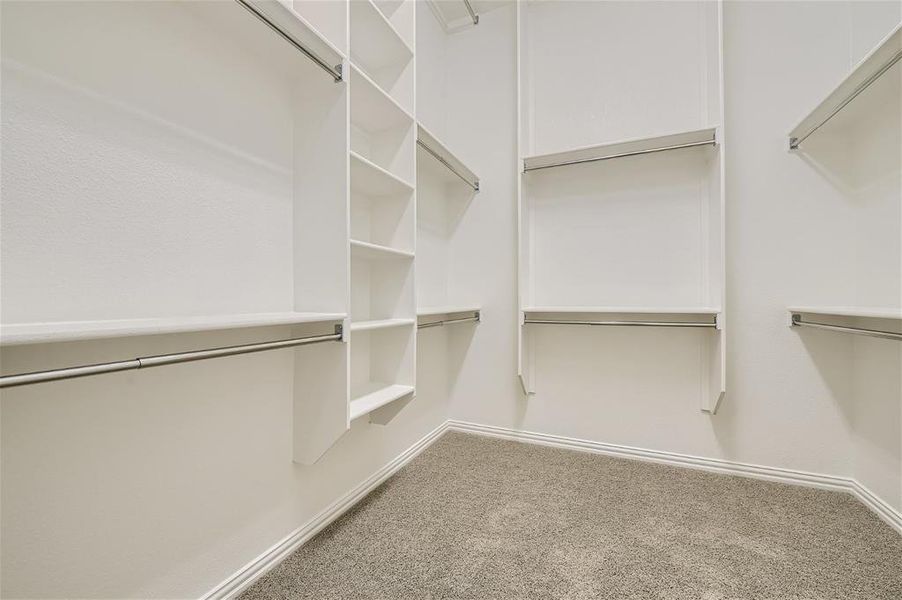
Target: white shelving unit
882,61
326,172
383,209
628,230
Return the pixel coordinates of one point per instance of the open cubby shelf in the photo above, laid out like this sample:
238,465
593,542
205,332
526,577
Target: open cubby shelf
370,251
376,395
375,43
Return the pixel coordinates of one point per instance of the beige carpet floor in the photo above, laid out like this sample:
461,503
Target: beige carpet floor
474,517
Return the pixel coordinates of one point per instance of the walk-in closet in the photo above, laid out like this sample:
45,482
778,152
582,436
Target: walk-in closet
465,299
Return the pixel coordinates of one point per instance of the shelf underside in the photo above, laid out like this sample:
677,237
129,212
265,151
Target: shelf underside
70,331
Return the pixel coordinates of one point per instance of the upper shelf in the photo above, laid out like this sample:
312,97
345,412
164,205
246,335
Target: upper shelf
71,331
671,141
293,28
455,168
887,53
375,44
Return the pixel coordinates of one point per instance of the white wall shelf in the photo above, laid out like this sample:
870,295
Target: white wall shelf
371,179
74,331
634,147
878,62
375,396
285,22
869,321
370,251
451,168
380,324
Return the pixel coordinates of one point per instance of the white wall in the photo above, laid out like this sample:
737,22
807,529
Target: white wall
794,400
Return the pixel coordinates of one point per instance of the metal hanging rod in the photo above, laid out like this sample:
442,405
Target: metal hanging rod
474,318
620,155
710,324
878,333
473,14
441,159
334,71
161,359
795,141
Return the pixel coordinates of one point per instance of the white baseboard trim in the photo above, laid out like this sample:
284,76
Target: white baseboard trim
246,575
830,482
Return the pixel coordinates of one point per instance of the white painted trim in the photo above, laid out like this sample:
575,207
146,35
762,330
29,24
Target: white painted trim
883,510
246,575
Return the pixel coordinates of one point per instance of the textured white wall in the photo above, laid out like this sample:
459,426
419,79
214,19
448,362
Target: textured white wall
793,399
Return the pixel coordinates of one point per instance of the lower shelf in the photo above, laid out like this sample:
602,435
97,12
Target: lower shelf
375,396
